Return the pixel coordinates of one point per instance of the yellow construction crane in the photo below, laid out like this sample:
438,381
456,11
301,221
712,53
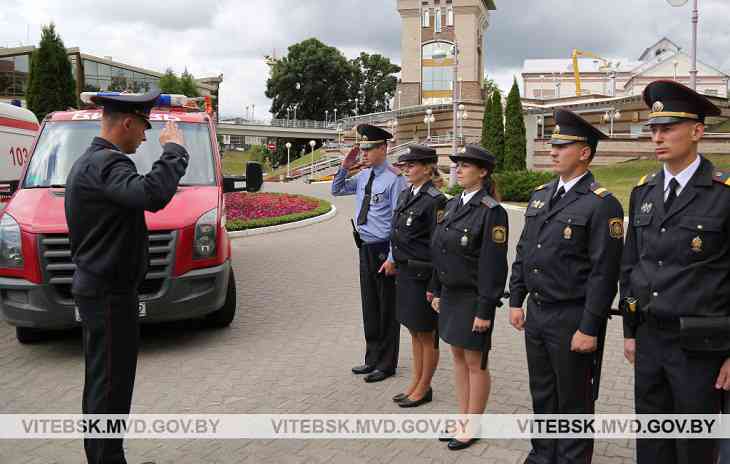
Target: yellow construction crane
576,71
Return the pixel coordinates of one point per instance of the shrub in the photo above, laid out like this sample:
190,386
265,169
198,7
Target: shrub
252,216
519,185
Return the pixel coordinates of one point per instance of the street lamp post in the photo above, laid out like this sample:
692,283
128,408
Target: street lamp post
463,115
428,119
335,120
326,117
288,159
693,56
452,168
612,115
312,143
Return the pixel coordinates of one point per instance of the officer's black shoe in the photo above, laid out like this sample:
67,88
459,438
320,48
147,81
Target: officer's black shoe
409,403
377,376
400,397
364,369
455,445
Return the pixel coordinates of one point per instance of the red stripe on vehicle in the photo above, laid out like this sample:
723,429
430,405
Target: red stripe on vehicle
18,124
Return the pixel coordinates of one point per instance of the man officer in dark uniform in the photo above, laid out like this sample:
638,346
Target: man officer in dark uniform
674,277
376,189
568,260
105,203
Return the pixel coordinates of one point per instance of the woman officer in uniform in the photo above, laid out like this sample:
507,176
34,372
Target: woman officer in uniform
414,219
469,252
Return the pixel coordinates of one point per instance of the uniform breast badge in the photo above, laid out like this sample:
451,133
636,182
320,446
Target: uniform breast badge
409,221
697,244
616,227
646,208
465,238
499,234
567,233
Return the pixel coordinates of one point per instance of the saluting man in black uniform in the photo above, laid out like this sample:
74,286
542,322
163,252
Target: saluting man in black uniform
414,220
469,251
675,282
568,260
105,203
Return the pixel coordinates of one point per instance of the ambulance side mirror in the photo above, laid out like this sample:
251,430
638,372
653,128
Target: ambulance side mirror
251,182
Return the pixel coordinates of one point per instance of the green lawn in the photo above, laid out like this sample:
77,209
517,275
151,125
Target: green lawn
621,178
234,163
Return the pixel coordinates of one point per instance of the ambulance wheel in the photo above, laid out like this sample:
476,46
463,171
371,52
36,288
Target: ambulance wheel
224,316
27,335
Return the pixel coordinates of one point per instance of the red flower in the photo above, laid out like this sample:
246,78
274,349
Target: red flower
246,206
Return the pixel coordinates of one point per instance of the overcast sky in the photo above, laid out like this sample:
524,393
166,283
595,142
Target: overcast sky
232,36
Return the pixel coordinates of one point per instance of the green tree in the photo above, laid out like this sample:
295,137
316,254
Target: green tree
489,86
373,82
313,76
493,129
188,87
51,85
515,139
170,83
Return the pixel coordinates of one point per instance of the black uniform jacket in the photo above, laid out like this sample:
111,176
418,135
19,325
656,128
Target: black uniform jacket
469,250
677,262
572,252
105,203
414,220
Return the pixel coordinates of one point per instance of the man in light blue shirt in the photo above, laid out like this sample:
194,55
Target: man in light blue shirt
376,190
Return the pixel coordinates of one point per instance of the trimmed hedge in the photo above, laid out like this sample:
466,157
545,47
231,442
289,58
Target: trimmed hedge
519,185
513,185
237,224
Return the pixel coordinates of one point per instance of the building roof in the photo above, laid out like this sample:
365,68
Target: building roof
645,54
565,65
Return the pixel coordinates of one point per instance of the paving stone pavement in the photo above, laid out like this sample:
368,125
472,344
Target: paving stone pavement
289,350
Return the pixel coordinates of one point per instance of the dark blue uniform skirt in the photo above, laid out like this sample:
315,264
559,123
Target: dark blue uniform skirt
456,319
412,308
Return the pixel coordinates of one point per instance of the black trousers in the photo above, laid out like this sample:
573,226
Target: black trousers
382,331
560,379
111,342
667,381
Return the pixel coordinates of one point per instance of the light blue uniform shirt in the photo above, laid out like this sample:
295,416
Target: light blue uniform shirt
384,196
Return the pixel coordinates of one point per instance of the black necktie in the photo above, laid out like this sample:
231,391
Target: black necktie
557,197
673,185
362,218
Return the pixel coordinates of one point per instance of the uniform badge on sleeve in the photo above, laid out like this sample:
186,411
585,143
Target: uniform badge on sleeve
499,234
440,214
616,227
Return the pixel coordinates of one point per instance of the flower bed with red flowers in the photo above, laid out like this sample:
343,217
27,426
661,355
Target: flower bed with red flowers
246,210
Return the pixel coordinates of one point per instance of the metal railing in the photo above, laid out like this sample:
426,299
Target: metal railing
318,166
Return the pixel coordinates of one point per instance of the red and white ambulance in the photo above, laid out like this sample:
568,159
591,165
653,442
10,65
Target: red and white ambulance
18,128
190,273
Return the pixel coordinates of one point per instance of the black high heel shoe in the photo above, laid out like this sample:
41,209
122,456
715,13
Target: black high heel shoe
399,397
455,445
409,403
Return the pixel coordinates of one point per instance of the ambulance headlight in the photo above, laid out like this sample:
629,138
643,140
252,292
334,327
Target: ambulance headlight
205,235
11,251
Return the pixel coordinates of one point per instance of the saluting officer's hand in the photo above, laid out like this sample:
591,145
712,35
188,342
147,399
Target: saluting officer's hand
436,304
388,267
351,158
723,379
517,318
171,133
630,350
481,325
583,343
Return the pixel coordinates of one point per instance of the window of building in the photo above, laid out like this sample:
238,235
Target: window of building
438,72
14,75
450,16
437,20
426,17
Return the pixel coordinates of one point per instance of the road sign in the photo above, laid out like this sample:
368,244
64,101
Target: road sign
271,146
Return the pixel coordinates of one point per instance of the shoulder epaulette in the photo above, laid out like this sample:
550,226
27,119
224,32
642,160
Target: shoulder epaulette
489,202
721,177
646,179
434,192
540,187
598,190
